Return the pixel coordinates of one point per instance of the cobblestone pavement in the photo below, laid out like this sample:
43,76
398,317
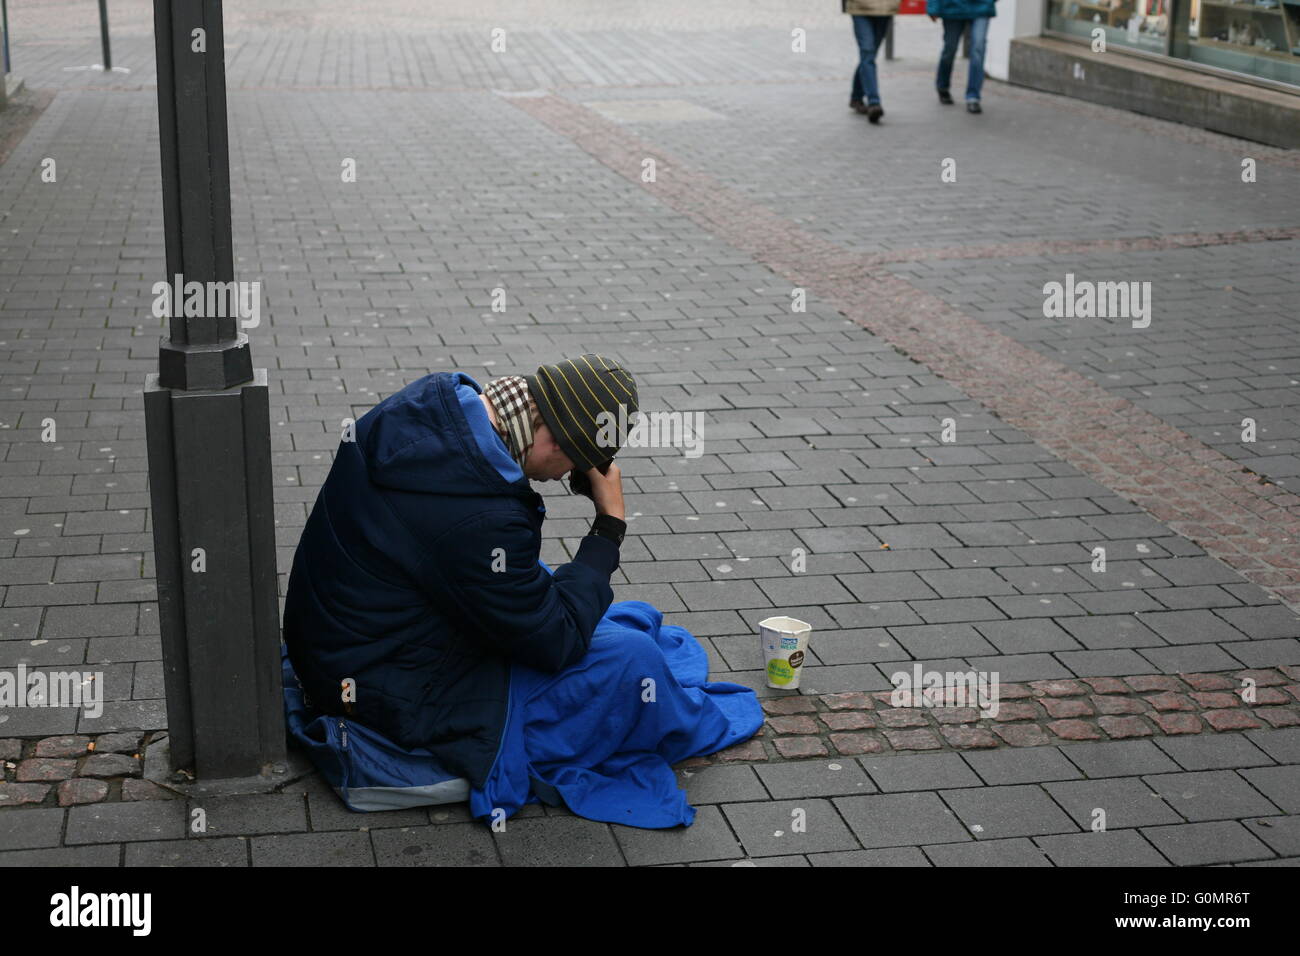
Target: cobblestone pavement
1162,691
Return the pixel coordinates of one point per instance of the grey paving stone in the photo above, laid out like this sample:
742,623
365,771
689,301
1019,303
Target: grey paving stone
707,838
89,621
1267,621
888,856
1022,667
874,615
1190,627
1282,834
854,646
457,844
1127,601
225,851
879,587
1210,795
1021,765
941,640
900,819
1118,758
250,814
991,813
1213,751
966,582
936,771
956,609
1204,844
1265,653
126,822
1118,663
1050,579
558,841
822,589
104,854
840,678
1012,852
1196,596
1110,631
814,778
1124,802
1282,745
1189,659
23,828
1280,784
327,812
1041,605
314,849
789,826
1101,848
40,722
721,784
1027,636
446,813
1194,570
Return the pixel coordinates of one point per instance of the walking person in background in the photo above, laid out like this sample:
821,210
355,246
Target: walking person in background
871,20
956,16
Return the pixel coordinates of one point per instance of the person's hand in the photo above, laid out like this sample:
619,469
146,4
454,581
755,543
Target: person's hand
933,18
607,491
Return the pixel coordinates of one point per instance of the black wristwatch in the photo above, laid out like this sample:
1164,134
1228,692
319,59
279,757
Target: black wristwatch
607,526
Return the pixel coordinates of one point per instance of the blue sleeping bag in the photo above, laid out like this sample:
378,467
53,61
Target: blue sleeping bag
599,737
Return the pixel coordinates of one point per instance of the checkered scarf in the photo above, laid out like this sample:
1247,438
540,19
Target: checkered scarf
510,400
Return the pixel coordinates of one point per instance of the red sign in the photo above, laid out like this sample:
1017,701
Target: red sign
911,6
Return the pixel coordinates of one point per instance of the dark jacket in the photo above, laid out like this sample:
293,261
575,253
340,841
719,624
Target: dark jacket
393,582
961,9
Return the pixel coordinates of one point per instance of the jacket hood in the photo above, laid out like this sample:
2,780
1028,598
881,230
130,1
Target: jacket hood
419,440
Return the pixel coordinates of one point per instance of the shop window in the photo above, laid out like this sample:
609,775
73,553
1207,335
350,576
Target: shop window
1139,24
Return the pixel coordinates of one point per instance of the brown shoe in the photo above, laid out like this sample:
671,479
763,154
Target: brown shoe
858,107
874,112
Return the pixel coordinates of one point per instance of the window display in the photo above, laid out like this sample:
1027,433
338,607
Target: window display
1250,36
1142,24
1256,37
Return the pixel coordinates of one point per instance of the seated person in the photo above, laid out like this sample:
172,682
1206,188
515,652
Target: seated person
417,583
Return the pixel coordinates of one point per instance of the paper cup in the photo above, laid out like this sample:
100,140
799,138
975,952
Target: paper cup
785,645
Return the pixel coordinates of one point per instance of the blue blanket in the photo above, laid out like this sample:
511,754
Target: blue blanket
600,737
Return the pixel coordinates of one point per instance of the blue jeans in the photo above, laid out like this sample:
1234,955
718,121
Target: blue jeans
952,31
870,32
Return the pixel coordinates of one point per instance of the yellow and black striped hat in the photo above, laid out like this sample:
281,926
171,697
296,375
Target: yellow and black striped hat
580,401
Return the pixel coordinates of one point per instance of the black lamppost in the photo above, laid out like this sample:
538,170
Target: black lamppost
208,428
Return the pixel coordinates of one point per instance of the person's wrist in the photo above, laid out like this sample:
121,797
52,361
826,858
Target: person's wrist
610,527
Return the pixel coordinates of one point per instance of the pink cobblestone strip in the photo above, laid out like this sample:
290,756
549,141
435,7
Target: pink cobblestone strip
1235,515
1047,713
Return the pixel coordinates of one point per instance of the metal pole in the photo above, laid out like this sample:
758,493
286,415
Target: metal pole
207,426
889,40
103,35
4,16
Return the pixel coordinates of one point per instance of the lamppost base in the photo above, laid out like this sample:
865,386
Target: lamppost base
214,547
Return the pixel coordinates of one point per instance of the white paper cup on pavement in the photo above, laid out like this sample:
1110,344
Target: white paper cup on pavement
785,645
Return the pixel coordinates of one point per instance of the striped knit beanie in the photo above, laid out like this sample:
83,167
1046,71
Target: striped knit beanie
580,401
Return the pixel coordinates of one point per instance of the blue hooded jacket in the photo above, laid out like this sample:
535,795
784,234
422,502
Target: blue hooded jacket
417,576
961,9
